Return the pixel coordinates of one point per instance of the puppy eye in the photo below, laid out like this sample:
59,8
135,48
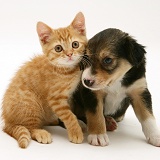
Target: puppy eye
107,60
75,44
58,48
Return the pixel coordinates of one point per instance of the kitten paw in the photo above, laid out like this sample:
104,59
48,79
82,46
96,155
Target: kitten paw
111,124
98,139
41,136
76,136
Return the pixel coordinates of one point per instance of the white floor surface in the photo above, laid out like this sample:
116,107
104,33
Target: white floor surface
19,42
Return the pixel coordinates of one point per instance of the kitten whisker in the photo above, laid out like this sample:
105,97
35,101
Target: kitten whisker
85,62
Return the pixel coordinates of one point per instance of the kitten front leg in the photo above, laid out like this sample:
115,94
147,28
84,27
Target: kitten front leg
63,111
142,104
41,136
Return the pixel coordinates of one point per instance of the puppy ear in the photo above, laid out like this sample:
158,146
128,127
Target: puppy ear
135,52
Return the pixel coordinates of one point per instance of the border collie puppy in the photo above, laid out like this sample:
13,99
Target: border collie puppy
114,80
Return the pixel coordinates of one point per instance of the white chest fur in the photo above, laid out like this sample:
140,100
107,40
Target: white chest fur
115,94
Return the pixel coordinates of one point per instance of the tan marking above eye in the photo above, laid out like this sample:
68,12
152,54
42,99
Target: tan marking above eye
75,44
58,48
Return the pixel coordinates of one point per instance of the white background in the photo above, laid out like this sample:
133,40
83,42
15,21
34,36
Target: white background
19,42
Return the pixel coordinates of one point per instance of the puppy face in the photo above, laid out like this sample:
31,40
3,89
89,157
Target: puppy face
112,54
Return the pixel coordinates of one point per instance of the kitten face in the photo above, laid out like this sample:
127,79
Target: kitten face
67,49
64,47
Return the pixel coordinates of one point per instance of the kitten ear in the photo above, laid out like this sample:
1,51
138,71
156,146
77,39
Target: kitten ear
44,32
79,23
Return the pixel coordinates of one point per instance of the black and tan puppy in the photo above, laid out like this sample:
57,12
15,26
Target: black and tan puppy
115,79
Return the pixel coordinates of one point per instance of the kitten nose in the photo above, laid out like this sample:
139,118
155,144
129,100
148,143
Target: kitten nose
69,54
88,82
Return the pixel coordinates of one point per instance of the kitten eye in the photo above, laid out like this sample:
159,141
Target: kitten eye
75,44
107,60
58,48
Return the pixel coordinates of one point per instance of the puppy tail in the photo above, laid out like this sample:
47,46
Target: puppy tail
20,133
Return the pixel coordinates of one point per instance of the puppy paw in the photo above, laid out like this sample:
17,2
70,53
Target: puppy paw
154,139
111,124
75,135
41,136
151,131
98,139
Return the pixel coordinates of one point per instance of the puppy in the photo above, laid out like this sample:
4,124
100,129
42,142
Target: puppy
114,80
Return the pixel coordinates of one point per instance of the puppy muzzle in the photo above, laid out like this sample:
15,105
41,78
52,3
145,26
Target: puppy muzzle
88,82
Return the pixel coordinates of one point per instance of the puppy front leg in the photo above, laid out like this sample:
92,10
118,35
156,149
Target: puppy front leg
142,105
96,125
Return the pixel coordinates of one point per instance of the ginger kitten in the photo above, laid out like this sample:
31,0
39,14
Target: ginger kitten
41,89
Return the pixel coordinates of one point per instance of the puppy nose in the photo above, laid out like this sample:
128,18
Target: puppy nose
88,82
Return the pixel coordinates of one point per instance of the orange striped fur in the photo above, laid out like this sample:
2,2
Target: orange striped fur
40,91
